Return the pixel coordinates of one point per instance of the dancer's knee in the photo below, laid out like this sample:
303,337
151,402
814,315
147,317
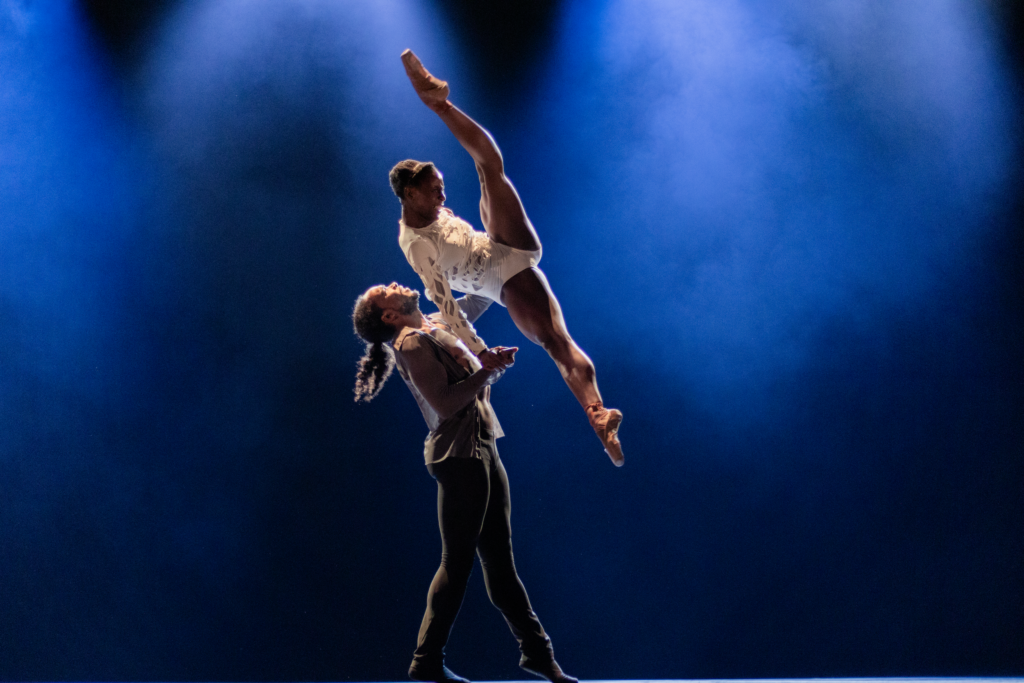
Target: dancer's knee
458,566
496,556
556,342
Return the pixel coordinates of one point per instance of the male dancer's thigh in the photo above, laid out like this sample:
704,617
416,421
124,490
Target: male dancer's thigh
502,213
496,532
462,496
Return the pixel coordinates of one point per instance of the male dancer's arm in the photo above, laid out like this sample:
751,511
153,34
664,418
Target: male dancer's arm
429,377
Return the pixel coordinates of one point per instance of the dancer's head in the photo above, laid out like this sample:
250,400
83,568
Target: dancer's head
380,312
409,173
419,186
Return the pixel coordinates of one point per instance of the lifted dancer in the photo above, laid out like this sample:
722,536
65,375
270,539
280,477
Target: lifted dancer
452,389
500,264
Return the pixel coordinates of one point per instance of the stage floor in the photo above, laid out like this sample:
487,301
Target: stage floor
924,679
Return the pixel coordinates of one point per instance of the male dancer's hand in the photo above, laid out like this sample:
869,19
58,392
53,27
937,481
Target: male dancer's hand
498,357
508,355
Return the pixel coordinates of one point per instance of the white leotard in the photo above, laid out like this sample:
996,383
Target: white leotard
450,255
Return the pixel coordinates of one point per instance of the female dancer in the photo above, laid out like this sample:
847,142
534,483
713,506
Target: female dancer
502,264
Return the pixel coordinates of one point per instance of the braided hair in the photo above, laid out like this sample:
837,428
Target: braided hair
376,365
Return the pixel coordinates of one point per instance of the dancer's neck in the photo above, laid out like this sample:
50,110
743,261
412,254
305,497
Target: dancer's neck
416,220
412,322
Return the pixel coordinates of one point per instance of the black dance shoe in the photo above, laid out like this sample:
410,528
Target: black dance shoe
432,675
548,669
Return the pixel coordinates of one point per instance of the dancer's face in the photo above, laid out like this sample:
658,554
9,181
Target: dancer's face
395,297
426,198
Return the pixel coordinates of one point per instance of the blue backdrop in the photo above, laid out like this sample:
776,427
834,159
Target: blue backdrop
788,236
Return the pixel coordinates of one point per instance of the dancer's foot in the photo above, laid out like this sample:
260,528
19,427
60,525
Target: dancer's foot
606,423
434,675
548,669
433,91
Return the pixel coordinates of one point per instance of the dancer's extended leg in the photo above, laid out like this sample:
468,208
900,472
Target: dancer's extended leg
527,295
536,312
501,210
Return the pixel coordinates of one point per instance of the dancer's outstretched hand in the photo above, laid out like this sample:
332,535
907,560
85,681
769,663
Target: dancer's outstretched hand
498,357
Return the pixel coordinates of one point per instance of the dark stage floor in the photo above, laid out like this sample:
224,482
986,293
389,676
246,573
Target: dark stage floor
924,679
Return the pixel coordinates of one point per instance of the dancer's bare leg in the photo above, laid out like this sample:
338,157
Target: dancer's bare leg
527,295
537,314
501,211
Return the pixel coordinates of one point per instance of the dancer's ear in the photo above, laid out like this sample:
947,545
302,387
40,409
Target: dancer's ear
389,316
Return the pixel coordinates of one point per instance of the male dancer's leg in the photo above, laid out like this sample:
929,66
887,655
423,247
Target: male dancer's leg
504,588
462,494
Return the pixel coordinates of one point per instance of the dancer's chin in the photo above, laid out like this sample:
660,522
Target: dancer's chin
411,303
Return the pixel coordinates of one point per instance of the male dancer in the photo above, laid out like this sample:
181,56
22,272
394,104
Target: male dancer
452,387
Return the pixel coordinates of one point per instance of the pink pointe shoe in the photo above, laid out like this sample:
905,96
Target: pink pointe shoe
606,423
433,91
